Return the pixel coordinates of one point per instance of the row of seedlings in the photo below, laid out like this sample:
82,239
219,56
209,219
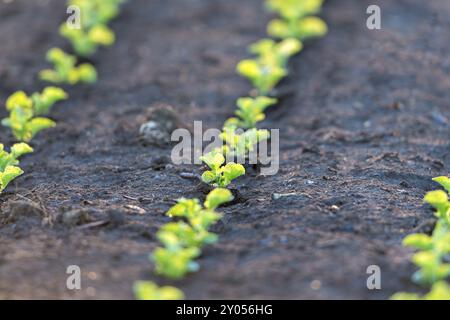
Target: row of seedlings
182,241
27,114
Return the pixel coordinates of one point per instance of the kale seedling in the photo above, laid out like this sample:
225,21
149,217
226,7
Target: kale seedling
9,161
85,43
439,291
65,69
273,53
294,9
219,175
250,112
21,118
241,144
262,75
182,241
305,28
147,290
43,102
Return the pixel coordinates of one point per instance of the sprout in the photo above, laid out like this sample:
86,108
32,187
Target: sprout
183,240
65,69
273,53
250,112
262,75
9,161
309,27
294,9
220,176
147,290
23,109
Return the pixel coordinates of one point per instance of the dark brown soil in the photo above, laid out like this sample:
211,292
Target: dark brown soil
364,131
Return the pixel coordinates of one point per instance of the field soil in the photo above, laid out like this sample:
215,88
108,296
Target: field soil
364,125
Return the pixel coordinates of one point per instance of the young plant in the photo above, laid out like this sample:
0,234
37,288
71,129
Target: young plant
65,69
263,76
182,241
21,120
294,9
430,258
9,169
250,112
220,175
147,290
439,291
239,144
43,102
302,29
96,12
273,53
86,42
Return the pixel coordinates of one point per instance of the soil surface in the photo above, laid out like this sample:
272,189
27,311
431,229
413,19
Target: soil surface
364,127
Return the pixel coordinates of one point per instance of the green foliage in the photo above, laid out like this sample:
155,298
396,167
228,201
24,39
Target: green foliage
241,144
439,291
263,76
97,12
294,9
9,169
184,239
147,290
65,69
43,102
218,175
86,43
23,110
250,112
309,27
273,53
432,250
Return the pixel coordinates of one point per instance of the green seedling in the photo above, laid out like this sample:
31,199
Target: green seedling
250,112
305,28
263,76
439,291
182,242
180,234
97,12
21,118
220,175
86,43
43,102
175,263
65,69
439,200
444,182
147,290
9,169
294,9
240,145
431,255
273,53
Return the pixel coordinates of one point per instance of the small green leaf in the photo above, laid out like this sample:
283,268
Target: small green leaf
419,241
147,290
9,174
218,197
444,182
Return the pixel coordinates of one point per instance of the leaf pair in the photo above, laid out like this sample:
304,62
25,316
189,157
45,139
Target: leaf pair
220,176
65,69
24,112
263,76
294,9
184,239
147,290
276,53
250,112
9,161
86,42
